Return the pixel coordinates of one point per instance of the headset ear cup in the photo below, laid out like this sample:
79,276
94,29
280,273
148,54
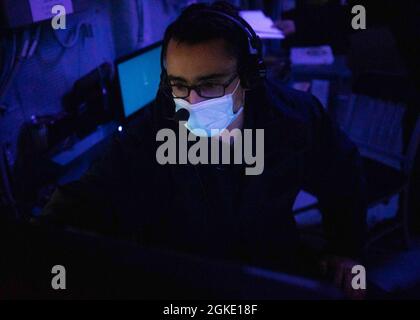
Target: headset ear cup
261,70
254,72
244,77
247,72
254,66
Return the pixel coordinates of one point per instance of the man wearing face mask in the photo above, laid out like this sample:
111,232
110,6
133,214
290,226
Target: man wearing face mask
212,68
214,113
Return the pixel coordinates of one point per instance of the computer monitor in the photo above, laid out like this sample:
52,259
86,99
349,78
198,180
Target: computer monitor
138,78
106,268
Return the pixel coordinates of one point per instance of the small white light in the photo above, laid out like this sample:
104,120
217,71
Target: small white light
120,128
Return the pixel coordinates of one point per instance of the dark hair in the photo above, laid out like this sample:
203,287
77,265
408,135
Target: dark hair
194,26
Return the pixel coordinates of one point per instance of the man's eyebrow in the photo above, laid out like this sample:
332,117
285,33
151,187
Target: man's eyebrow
213,76
175,78
202,78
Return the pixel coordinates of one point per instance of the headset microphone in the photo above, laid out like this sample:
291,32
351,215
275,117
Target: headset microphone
182,115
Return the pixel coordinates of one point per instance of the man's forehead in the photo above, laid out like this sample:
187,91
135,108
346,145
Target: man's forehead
198,61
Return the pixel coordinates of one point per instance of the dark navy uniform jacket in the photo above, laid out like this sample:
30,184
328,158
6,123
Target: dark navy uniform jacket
219,211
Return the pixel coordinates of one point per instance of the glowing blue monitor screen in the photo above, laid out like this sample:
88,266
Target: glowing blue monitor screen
139,79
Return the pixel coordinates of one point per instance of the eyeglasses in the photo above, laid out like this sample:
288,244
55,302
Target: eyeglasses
206,90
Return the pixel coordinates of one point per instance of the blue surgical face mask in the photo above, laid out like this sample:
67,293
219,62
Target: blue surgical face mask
210,114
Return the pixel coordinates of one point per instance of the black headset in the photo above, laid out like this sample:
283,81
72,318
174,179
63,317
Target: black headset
254,69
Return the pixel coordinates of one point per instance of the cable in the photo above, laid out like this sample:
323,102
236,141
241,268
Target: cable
140,19
35,42
25,46
74,39
22,55
4,175
9,60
